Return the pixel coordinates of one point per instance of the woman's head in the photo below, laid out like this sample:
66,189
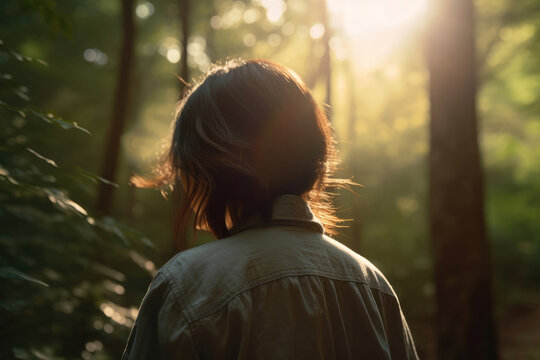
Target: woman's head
249,132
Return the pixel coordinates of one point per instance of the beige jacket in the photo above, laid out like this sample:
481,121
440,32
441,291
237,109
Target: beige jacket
275,290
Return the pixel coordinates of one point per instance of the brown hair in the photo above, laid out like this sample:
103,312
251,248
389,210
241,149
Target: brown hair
249,132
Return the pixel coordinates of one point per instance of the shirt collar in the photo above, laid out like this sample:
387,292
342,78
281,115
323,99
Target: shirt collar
287,210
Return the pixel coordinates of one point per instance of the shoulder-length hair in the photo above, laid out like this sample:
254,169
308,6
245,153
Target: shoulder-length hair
247,133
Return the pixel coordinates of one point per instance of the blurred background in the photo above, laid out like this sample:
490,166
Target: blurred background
87,98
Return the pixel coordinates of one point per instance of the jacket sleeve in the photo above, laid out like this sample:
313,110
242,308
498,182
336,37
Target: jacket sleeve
159,331
409,342
399,336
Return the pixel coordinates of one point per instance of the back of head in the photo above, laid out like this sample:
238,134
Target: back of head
249,132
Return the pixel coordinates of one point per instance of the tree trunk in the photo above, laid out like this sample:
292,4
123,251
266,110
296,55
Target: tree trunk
177,196
120,109
211,50
356,226
184,22
326,66
466,328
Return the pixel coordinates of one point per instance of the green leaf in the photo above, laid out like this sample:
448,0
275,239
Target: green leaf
21,94
146,241
107,271
40,61
108,224
94,177
10,273
20,57
31,354
62,201
39,156
50,118
16,55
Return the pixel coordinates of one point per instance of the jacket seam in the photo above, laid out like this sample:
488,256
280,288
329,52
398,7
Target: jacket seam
176,292
199,315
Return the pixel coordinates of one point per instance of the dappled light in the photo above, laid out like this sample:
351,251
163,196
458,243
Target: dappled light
90,92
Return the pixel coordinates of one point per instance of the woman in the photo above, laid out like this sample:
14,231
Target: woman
254,153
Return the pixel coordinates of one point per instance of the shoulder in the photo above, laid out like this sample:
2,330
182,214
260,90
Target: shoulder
205,278
361,268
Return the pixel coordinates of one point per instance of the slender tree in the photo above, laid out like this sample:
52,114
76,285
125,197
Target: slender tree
323,69
120,108
326,65
184,6
211,50
465,323
356,226
185,33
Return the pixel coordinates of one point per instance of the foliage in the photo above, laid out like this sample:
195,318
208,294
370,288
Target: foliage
379,112
63,272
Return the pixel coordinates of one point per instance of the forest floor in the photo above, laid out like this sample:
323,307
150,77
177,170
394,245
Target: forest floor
519,334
